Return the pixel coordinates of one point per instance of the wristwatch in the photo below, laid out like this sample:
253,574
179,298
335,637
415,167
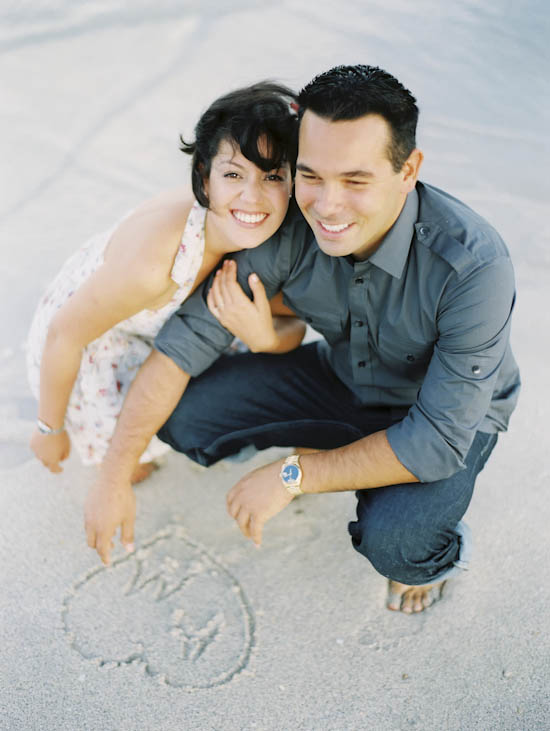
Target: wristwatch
43,428
291,475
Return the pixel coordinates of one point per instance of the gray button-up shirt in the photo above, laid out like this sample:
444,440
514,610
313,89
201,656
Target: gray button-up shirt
423,323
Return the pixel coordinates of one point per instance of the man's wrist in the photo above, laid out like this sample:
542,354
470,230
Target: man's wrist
291,475
118,467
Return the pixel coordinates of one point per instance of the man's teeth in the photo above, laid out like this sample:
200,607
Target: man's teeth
249,217
335,229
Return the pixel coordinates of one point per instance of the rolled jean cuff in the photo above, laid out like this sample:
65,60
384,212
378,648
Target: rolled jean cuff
465,550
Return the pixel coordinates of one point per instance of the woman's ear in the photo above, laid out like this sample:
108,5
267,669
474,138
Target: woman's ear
205,178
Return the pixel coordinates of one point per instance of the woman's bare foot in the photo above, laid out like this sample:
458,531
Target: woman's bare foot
143,471
411,599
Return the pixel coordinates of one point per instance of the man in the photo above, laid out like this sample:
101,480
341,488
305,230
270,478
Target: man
413,293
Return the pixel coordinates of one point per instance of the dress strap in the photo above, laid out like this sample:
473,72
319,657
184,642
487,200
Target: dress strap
191,249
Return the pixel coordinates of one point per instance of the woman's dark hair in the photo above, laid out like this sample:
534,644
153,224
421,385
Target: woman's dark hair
263,111
350,92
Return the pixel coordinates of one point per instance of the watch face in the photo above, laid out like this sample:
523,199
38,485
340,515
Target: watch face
291,473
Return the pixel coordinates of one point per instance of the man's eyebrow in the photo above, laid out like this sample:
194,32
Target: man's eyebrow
349,174
357,174
304,168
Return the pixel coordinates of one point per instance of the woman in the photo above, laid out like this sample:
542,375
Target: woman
95,324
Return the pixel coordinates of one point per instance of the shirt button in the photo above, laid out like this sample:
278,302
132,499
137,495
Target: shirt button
358,323
424,230
410,358
476,370
359,280
362,364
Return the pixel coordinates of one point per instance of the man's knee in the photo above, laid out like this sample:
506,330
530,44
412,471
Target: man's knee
188,428
405,551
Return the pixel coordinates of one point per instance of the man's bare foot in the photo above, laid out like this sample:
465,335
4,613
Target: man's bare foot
411,599
143,471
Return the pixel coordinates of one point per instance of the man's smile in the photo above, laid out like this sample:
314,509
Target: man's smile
334,228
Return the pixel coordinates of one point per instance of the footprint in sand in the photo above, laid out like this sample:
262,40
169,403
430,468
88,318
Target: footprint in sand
170,608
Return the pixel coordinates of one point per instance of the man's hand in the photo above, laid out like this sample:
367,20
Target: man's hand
110,503
107,507
256,498
51,449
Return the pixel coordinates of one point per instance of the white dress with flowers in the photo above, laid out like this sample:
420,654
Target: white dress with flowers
110,363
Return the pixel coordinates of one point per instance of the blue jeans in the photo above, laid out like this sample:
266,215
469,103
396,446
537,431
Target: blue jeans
410,533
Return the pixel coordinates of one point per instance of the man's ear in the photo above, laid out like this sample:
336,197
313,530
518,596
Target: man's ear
411,168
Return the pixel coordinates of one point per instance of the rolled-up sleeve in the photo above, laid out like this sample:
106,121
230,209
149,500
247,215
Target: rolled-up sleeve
192,337
474,315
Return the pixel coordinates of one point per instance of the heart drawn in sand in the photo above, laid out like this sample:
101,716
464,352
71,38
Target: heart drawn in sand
170,608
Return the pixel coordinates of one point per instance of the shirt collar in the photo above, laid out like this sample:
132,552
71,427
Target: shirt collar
392,253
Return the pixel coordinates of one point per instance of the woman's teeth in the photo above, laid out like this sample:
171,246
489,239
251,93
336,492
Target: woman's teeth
249,217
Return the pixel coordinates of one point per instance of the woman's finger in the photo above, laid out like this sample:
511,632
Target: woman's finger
210,302
216,291
238,297
52,466
227,288
258,292
212,305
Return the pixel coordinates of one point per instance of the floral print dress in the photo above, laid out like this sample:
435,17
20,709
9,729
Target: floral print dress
110,363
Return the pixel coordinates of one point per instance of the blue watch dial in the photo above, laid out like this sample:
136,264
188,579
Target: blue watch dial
290,473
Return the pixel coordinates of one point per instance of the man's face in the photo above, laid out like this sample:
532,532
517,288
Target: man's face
345,184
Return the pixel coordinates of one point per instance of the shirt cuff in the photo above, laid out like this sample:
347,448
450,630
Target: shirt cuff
188,350
422,449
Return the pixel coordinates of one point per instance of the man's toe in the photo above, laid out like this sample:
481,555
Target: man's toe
394,601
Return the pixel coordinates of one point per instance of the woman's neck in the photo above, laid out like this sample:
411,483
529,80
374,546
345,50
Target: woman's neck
215,243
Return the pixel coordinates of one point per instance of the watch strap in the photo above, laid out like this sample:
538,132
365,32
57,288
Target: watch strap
292,485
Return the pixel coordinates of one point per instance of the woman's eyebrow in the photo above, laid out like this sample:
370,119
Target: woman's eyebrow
231,161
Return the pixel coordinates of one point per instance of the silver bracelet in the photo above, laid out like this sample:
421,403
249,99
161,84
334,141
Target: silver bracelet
43,428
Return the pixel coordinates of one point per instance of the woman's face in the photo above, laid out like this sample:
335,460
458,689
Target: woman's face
247,205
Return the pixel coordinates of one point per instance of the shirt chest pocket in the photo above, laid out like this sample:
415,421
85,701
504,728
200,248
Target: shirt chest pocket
328,323
403,355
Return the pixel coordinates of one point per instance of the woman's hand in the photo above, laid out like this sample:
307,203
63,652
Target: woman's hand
51,449
249,320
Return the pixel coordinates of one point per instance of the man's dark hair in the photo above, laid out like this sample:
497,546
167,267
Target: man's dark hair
351,92
244,117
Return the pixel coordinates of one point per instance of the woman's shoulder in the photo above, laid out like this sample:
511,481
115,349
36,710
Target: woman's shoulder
149,237
168,205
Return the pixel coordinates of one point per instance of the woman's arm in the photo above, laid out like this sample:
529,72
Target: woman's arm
134,276
253,321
